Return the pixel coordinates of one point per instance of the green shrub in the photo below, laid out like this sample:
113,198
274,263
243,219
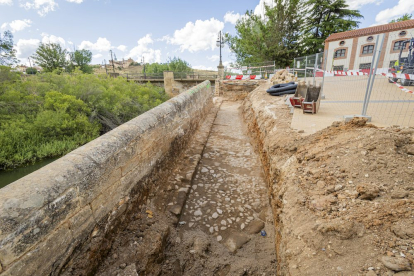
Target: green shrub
49,115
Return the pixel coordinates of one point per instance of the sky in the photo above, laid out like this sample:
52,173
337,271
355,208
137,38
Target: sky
156,30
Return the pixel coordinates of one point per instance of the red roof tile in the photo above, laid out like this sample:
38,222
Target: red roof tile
372,30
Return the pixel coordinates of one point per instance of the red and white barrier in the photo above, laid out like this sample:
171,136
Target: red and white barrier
244,77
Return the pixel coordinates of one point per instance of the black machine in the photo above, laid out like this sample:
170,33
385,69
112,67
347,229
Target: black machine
405,65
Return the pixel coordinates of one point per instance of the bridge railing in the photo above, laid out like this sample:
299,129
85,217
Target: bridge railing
177,76
142,76
193,75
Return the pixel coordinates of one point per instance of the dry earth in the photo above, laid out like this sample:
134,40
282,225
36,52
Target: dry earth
341,201
342,198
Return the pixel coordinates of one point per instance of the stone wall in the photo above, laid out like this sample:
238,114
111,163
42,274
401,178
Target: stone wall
65,212
238,89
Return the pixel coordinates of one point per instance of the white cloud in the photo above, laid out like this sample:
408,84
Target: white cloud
356,4
122,48
403,7
75,1
53,39
202,67
260,8
6,2
197,36
142,50
43,7
17,25
26,47
232,17
101,45
97,56
214,57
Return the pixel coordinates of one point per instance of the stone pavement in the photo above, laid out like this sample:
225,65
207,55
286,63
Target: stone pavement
228,197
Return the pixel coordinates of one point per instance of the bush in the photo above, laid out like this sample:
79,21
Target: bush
50,115
31,71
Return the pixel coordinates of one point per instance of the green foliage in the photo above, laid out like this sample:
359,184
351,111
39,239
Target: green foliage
31,71
174,64
326,17
81,59
7,52
273,38
6,75
50,56
49,115
404,17
290,28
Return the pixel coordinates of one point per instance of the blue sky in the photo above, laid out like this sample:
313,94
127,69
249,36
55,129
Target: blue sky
155,29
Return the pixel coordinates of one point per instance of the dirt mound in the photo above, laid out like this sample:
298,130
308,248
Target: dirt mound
283,76
343,198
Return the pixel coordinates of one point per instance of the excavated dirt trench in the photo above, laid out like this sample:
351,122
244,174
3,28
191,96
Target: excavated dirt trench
210,217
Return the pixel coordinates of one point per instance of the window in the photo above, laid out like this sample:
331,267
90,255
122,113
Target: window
363,66
392,62
338,68
369,49
403,33
398,45
340,53
342,43
370,38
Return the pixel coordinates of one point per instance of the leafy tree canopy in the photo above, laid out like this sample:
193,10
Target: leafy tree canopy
324,18
173,64
50,56
289,29
81,59
274,37
402,18
7,53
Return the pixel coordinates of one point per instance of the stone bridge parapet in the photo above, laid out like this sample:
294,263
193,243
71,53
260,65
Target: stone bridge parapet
70,206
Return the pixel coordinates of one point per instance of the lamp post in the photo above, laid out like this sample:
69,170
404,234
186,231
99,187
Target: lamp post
220,44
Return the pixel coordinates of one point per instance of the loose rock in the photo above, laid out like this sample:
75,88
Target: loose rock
396,263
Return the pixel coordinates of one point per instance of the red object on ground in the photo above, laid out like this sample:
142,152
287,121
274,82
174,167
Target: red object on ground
252,77
228,77
296,101
239,77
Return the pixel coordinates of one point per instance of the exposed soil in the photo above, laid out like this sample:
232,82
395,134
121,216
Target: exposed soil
342,198
213,217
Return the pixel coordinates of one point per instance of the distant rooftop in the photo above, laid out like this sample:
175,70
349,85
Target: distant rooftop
372,30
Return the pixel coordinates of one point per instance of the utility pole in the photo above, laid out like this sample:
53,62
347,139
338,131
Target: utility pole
143,62
106,70
30,62
113,66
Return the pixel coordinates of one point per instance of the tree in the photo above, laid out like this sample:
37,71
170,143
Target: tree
82,58
274,37
326,17
31,71
173,64
50,56
404,17
7,53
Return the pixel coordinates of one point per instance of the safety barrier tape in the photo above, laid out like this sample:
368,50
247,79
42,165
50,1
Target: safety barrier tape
399,86
357,73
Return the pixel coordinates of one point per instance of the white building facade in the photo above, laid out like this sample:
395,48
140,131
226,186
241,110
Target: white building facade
353,50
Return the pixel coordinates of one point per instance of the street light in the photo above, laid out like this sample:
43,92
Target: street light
220,44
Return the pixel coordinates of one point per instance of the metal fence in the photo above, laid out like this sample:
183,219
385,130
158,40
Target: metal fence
359,78
263,69
177,76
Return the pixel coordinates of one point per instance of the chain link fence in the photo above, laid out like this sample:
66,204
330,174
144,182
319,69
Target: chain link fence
370,76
